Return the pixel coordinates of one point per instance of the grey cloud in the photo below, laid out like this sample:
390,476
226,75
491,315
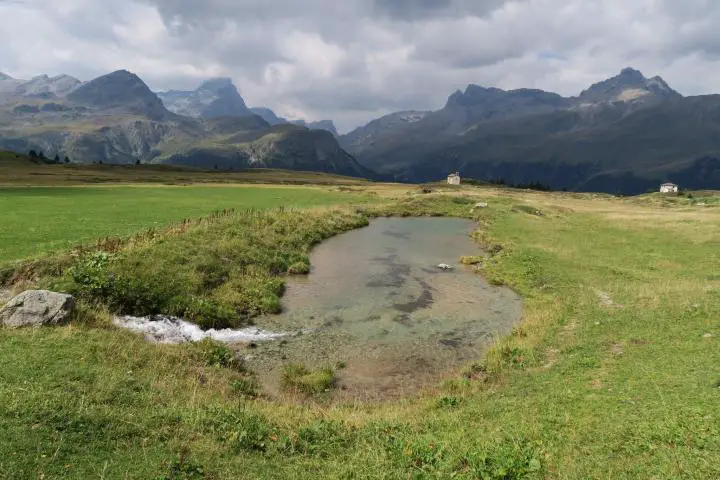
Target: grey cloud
422,9
352,60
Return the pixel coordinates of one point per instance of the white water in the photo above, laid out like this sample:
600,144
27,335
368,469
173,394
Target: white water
159,329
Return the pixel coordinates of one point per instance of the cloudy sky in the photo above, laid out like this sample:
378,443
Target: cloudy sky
353,60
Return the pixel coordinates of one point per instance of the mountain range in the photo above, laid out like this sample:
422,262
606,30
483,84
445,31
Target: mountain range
622,135
625,134
219,97
116,118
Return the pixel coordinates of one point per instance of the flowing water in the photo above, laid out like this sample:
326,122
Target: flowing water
376,302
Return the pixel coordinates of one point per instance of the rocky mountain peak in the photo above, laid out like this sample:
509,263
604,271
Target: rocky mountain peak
629,85
119,90
216,84
631,74
5,77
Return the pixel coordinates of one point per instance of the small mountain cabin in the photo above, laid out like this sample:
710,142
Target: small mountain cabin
454,179
668,188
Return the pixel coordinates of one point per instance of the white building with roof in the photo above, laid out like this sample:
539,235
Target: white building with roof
668,188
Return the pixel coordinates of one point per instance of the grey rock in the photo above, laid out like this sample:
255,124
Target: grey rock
35,308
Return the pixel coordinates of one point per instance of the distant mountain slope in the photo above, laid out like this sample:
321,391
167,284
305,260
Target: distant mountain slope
604,150
283,146
621,135
116,118
364,137
42,85
268,115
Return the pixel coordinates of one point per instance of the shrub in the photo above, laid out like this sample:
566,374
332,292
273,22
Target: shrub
91,275
94,281
299,378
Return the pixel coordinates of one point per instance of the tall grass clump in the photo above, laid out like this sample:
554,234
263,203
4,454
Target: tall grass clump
299,378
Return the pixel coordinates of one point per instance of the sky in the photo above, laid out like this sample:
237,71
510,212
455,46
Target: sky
355,60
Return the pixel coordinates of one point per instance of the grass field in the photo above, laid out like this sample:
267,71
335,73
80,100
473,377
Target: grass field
612,374
37,220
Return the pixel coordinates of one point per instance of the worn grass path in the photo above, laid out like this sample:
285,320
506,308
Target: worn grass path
36,220
613,374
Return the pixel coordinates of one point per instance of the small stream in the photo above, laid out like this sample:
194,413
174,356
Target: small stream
376,302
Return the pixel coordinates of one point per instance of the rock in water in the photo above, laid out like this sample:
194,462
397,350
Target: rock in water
35,308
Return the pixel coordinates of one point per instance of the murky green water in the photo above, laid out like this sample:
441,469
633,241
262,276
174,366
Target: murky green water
376,301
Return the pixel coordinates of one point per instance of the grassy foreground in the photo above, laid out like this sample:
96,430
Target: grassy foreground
612,374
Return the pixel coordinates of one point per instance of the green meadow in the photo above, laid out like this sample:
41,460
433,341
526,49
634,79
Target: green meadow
612,373
37,220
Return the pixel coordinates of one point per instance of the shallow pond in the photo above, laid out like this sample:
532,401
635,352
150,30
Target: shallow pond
376,302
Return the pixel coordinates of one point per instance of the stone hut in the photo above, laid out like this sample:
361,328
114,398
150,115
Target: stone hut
454,179
668,188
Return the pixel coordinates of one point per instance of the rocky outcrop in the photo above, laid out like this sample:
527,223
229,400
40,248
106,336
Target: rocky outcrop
35,308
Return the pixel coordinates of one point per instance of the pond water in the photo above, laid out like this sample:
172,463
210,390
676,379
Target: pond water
376,301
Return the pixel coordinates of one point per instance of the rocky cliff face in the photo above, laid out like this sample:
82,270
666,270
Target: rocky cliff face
214,98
